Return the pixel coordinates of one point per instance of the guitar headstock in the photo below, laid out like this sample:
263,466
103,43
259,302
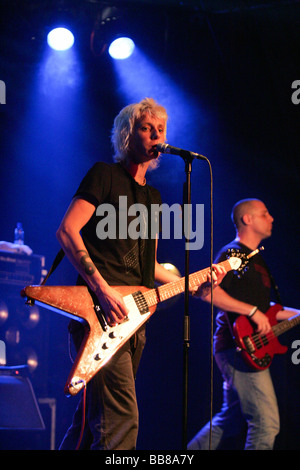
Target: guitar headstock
243,267
234,262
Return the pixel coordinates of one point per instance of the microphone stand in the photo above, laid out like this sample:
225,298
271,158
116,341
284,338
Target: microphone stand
186,323
188,159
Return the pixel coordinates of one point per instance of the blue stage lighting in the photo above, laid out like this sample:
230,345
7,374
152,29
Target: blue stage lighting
60,39
121,48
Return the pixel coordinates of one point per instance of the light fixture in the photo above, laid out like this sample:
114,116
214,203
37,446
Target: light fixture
111,32
121,48
60,39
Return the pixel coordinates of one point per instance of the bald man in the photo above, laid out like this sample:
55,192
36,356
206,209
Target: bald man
248,394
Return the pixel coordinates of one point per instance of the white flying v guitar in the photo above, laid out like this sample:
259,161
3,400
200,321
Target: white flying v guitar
101,341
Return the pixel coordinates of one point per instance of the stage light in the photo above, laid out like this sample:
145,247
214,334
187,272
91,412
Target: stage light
3,312
111,33
30,358
60,39
121,48
29,316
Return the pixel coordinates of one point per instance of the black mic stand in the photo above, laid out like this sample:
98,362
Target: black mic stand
186,323
188,159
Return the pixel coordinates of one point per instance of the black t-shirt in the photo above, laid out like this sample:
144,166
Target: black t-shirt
252,285
120,260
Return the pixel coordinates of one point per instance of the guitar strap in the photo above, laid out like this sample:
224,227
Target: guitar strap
275,288
58,258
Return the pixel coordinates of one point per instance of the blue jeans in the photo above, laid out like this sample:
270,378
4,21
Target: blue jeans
248,396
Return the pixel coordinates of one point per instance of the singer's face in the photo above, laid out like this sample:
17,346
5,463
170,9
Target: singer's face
148,132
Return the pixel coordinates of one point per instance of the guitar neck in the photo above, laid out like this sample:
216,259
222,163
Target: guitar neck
166,291
286,325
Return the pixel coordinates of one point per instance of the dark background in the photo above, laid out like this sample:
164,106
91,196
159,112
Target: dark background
224,70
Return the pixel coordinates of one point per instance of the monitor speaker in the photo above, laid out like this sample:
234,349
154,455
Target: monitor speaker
18,405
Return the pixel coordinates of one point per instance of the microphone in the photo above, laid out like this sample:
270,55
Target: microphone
168,149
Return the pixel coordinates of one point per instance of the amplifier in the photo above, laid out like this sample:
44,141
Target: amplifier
21,269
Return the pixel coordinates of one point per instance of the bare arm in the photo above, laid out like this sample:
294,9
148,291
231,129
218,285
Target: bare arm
69,237
224,301
286,313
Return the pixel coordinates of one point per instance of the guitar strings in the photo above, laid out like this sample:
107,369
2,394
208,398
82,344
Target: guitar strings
170,289
272,334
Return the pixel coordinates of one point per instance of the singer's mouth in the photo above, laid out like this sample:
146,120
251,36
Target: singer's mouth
155,151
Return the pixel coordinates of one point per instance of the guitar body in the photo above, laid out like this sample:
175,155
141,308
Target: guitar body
258,350
101,341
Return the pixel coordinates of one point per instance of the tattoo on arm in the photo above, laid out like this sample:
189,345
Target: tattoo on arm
205,289
89,266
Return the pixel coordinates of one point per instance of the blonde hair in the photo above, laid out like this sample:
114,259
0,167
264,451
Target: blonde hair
125,122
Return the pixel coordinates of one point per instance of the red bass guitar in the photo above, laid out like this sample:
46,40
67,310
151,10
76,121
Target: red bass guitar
258,350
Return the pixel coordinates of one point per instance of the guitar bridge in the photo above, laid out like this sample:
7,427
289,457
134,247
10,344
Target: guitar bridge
262,362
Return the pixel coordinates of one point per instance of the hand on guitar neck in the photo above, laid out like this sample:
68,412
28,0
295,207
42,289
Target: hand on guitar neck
214,279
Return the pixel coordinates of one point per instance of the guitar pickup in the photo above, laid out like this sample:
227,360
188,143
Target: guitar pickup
249,345
141,302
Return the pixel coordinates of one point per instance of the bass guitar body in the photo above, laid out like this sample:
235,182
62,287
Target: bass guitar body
258,350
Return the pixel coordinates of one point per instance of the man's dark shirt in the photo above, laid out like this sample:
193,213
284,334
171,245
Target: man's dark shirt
253,286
